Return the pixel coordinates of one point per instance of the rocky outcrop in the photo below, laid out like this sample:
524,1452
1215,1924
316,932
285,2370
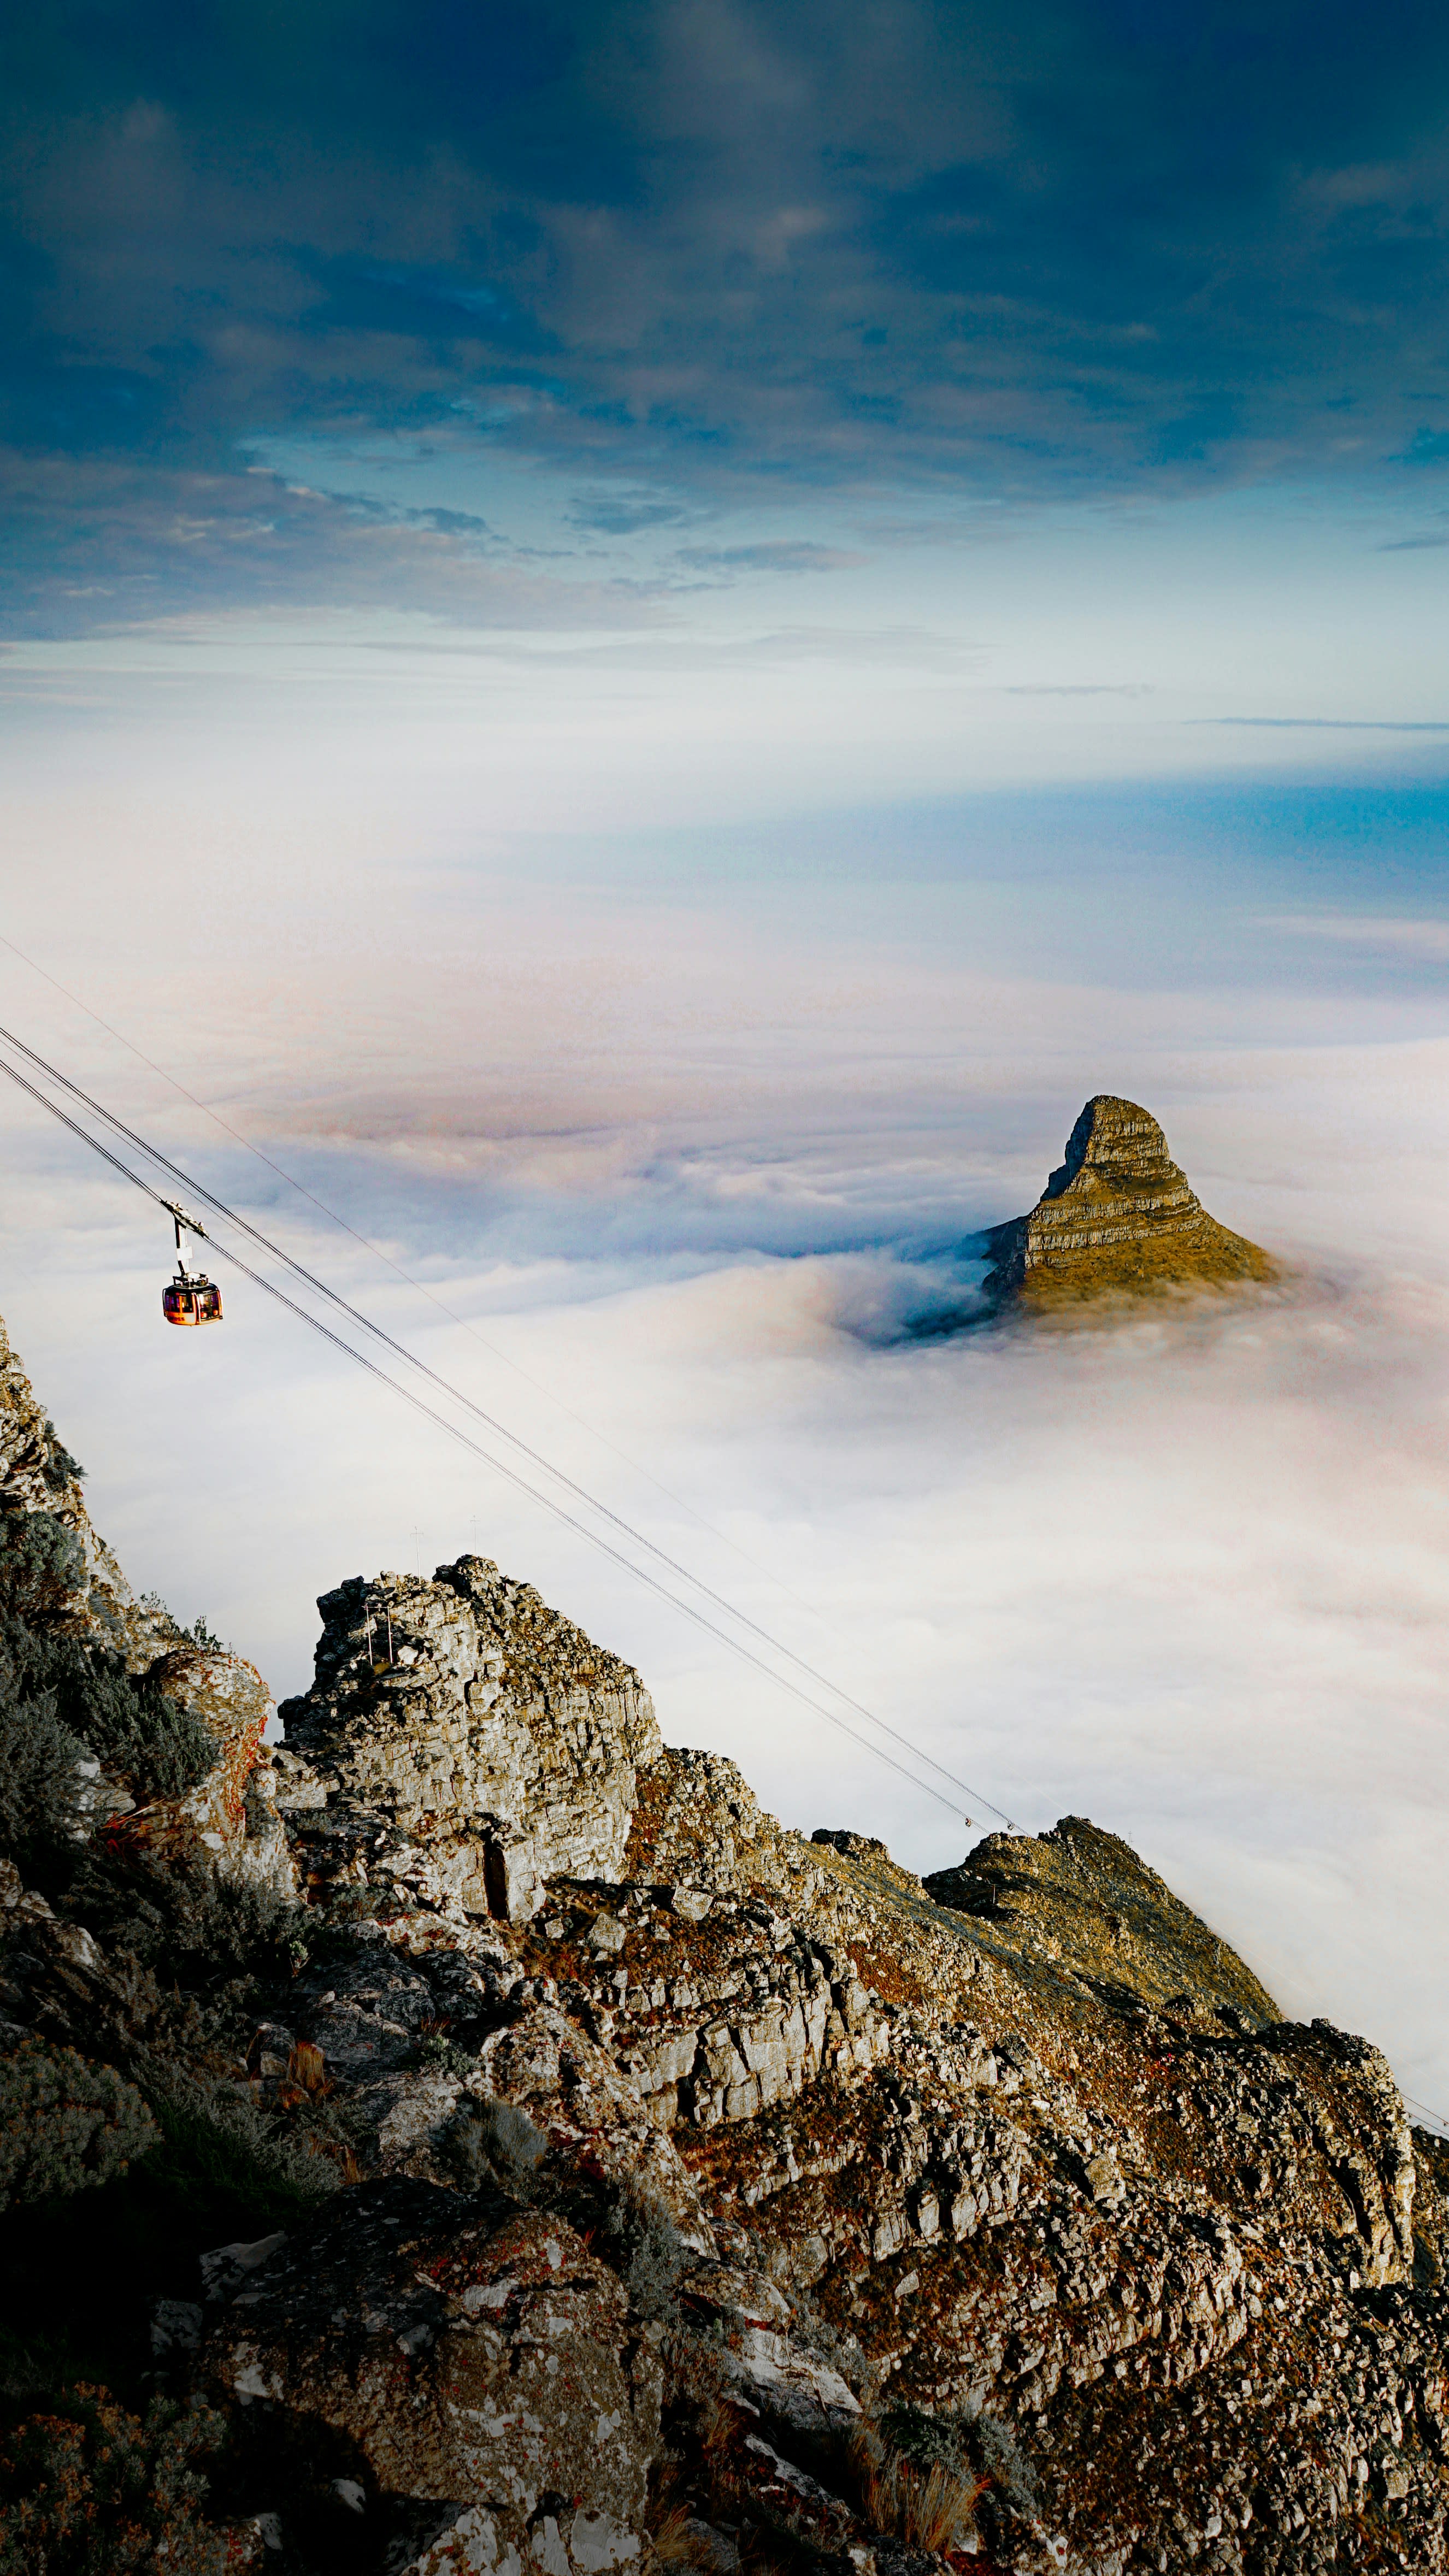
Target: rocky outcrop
232,1813
1117,1217
38,1474
1082,1899
1022,2164
80,1594
702,2195
462,1743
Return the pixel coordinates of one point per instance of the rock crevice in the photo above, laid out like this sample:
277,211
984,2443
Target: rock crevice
463,1740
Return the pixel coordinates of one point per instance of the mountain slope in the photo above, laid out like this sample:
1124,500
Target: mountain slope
560,2165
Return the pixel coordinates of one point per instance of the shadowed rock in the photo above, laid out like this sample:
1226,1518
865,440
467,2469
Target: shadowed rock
1115,1218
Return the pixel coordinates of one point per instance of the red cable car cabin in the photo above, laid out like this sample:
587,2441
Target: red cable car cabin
191,1301
190,1297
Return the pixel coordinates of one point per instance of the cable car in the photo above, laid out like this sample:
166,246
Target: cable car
188,1300
190,1297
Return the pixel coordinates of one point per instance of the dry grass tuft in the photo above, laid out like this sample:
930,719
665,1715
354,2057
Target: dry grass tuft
718,2429
673,2541
932,2509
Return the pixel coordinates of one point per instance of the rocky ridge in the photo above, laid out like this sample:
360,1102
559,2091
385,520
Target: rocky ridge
1117,1217
687,2193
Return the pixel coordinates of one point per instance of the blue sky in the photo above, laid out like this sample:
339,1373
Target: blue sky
681,291
644,640
786,410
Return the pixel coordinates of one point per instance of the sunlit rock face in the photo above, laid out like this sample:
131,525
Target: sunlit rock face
1117,1217
464,1739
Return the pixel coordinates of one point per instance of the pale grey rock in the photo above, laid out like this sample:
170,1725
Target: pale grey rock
464,1742
691,1904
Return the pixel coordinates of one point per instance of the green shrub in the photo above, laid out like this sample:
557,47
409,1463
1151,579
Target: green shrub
38,1757
651,2255
93,2491
65,2124
126,1719
62,1698
175,1915
59,1466
962,2443
160,1750
42,1565
494,2144
226,2144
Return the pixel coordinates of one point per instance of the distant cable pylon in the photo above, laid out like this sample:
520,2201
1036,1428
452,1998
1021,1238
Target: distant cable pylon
641,1574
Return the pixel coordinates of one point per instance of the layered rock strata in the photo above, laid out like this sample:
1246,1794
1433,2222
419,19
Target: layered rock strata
465,1738
1116,1217
735,2201
1025,2155
1167,2275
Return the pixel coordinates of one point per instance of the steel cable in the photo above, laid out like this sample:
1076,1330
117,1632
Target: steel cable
500,1466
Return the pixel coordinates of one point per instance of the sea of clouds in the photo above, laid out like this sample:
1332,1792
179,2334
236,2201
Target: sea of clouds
701,1178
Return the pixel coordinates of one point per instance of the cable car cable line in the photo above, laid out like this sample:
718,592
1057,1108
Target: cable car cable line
400,1350
501,1466
420,1286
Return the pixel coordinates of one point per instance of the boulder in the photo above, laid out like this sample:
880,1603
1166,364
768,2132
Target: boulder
465,2368
232,1813
461,1743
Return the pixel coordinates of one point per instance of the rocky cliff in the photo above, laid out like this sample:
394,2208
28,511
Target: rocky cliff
1116,1217
486,1737
564,2167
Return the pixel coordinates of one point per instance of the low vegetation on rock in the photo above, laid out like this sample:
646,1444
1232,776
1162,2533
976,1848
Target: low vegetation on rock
473,2139
1116,1219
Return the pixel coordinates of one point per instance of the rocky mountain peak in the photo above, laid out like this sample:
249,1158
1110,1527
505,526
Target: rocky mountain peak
1116,1217
1122,1146
543,2162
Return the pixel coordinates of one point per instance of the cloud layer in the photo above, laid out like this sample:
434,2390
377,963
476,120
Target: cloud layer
692,1177
684,256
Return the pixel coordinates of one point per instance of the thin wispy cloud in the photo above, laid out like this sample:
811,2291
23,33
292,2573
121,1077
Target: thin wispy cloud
1334,724
776,554
1412,938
